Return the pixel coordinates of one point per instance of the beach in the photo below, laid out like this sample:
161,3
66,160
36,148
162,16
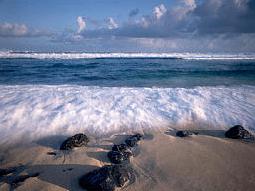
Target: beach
47,99
206,161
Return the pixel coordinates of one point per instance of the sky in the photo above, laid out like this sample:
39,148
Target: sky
128,26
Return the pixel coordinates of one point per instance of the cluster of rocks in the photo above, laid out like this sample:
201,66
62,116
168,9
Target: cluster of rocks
121,153
109,177
120,173
117,175
235,132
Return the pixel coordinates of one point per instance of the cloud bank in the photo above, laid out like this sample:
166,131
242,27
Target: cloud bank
186,25
20,30
191,17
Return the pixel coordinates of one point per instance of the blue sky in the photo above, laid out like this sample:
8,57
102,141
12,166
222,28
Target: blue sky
128,26
60,14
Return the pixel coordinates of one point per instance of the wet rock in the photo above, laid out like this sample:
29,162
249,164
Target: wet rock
22,178
133,140
118,157
183,133
4,172
69,169
77,140
238,132
120,148
107,178
52,153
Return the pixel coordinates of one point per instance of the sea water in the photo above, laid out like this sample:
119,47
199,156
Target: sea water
46,94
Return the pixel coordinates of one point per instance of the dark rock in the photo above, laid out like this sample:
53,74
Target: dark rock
238,132
195,133
183,133
133,140
120,148
51,153
107,178
77,140
7,171
118,157
69,169
22,178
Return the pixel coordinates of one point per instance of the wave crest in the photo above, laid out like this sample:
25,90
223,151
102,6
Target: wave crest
195,56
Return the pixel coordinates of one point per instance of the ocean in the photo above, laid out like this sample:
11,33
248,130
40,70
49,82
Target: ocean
46,94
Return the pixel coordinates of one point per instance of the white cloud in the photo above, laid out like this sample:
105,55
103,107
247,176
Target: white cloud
8,29
242,4
111,23
159,11
190,3
81,24
180,11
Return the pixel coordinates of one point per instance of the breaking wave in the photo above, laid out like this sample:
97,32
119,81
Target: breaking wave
44,110
72,55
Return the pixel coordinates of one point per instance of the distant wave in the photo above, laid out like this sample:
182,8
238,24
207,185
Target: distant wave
39,111
71,55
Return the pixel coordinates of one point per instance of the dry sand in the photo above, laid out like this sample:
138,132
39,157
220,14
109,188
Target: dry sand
206,161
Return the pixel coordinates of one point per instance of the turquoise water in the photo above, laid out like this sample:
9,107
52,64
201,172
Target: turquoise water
127,72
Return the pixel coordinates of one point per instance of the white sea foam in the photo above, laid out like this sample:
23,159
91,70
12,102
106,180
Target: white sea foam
40,111
195,56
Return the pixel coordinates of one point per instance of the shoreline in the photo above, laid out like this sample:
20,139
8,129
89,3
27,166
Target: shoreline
206,161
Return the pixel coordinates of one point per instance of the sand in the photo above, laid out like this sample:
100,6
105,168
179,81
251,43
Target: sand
207,161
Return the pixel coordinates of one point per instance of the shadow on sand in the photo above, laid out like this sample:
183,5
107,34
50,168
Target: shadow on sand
99,155
52,141
62,175
65,176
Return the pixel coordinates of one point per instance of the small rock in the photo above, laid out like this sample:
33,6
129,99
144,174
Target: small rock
7,171
22,178
107,178
77,140
183,133
69,169
118,157
51,153
133,140
238,132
